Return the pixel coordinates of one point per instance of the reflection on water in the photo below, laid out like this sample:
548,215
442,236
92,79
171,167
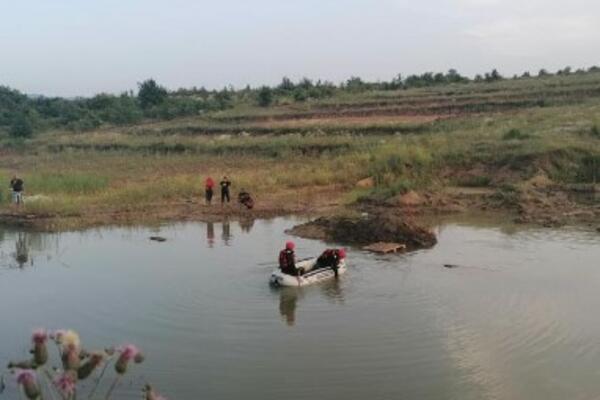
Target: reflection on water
288,301
226,232
22,250
19,249
246,224
210,234
289,297
515,320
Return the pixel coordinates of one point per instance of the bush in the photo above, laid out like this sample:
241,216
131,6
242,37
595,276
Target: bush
21,127
300,95
265,96
151,94
595,131
515,134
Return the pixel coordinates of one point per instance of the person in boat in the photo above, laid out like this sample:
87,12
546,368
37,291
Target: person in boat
287,260
245,199
209,185
331,258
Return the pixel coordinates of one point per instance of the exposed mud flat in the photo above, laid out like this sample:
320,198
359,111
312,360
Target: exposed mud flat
367,229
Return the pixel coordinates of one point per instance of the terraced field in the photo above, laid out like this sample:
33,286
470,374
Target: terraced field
495,136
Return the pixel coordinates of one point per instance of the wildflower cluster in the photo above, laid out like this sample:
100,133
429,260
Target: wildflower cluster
38,379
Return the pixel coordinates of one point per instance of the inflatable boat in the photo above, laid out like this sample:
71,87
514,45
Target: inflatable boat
309,274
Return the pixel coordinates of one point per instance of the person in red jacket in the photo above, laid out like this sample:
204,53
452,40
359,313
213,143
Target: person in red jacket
287,260
209,184
331,258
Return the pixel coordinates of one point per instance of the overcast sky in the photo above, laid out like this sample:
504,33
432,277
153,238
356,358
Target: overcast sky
82,47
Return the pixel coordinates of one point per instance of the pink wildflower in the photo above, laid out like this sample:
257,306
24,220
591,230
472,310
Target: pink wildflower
39,336
66,384
128,352
57,335
24,376
40,351
27,379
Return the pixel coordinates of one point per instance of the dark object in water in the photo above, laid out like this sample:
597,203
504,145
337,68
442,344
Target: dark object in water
451,266
158,238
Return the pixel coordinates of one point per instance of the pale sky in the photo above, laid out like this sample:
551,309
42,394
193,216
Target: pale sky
82,47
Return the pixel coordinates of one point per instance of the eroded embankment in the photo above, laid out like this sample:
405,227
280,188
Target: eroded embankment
367,229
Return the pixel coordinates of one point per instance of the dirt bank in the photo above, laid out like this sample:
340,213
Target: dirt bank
537,202
366,229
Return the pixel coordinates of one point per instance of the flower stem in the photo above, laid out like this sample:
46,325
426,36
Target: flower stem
112,387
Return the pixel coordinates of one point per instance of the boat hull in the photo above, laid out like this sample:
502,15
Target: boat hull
309,277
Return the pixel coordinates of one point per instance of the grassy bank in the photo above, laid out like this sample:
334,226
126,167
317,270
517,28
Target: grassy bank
286,153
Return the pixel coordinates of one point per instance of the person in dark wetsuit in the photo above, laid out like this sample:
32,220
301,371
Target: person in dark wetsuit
287,260
245,199
225,184
16,184
331,258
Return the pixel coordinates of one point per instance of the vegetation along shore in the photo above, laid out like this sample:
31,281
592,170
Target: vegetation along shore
435,143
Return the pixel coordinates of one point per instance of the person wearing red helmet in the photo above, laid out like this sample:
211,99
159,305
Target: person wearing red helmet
287,259
331,258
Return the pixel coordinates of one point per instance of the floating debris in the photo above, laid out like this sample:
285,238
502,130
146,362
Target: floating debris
385,248
158,238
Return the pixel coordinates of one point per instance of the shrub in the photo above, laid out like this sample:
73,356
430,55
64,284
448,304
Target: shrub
595,131
265,96
151,94
21,127
300,95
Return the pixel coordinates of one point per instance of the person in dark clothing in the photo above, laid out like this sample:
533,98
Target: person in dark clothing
287,260
225,184
245,199
331,258
209,184
17,186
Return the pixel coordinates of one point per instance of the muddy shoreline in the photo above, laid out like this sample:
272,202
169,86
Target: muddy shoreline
545,206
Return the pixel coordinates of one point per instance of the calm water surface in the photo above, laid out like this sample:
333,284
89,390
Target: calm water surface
518,320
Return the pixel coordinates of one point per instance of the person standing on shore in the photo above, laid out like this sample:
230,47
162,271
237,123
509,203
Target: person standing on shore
209,184
225,184
17,186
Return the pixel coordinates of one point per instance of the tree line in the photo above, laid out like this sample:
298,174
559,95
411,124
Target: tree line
22,116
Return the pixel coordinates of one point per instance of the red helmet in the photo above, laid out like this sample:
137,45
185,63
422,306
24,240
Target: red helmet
290,245
342,253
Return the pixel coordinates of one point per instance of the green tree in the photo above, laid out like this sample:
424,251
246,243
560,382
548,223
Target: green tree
151,94
21,127
265,96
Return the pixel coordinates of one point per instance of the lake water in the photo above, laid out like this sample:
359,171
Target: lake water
516,320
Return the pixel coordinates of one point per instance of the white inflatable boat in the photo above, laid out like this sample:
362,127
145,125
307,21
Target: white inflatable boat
309,275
